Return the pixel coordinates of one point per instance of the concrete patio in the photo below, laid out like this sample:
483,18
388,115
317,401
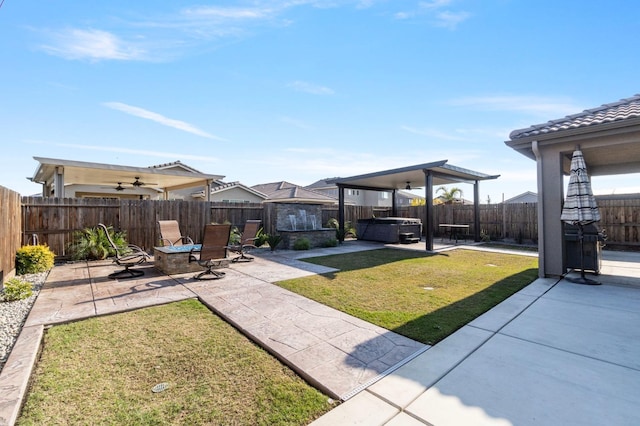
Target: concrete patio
554,353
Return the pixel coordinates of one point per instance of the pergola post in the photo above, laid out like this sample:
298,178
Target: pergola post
341,208
428,209
394,204
476,211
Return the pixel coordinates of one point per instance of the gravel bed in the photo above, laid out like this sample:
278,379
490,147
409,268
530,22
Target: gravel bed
14,314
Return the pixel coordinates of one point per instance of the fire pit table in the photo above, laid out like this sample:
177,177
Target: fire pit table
175,259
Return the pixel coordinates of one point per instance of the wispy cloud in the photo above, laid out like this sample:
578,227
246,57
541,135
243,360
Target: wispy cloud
465,134
451,20
93,45
314,89
295,122
139,152
163,37
535,105
433,133
435,10
161,119
236,13
434,4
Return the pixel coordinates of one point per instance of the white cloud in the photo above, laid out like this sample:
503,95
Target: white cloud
227,12
94,45
434,10
434,4
536,105
161,119
314,89
295,122
451,20
434,133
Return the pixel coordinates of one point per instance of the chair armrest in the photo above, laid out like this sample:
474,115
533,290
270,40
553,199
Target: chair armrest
136,250
167,240
237,248
187,240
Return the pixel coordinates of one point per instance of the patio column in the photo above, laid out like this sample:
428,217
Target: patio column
58,182
341,207
476,211
550,200
394,204
428,209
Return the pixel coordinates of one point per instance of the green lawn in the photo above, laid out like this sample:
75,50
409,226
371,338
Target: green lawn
422,296
102,371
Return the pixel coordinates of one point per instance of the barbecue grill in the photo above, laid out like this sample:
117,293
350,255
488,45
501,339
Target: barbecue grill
593,241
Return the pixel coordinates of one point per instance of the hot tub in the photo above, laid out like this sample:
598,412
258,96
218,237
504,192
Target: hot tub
389,229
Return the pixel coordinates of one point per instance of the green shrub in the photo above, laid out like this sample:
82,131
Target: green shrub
34,259
341,234
273,240
92,244
331,242
16,289
302,244
235,236
261,238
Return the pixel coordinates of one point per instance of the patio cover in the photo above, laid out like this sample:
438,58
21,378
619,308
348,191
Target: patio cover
61,172
419,176
609,138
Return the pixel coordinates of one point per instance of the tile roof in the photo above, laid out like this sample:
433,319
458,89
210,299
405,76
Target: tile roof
607,113
236,184
289,191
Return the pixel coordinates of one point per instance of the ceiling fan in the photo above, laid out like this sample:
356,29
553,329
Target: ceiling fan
137,183
118,187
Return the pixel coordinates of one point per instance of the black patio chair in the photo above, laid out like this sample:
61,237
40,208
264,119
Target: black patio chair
127,257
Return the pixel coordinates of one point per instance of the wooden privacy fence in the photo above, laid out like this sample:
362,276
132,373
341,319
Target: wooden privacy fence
53,221
10,228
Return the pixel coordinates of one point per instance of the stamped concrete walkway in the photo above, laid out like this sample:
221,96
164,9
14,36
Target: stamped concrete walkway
337,353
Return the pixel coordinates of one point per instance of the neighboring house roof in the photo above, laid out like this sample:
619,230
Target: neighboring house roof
322,184
409,195
607,113
285,191
525,197
226,186
175,165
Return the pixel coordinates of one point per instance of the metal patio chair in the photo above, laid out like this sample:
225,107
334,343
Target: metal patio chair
170,233
128,257
213,252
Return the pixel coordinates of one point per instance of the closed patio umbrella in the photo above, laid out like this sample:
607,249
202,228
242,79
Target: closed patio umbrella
580,206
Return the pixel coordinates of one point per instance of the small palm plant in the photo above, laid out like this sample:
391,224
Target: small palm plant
341,234
450,195
92,244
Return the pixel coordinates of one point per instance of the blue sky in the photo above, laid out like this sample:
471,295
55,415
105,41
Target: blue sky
299,90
